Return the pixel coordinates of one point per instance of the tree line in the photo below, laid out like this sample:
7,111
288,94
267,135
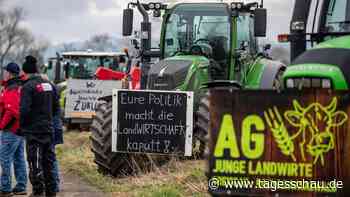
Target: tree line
17,41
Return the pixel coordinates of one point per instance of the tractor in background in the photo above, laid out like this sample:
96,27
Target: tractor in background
326,64
202,45
85,65
320,59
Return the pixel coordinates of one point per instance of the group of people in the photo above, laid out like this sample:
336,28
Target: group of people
29,116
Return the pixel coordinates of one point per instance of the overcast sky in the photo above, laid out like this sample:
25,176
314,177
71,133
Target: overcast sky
77,20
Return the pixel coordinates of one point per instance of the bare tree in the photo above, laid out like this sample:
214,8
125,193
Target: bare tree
11,33
21,48
17,42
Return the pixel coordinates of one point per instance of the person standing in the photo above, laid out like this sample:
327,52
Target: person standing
37,108
57,135
11,145
57,139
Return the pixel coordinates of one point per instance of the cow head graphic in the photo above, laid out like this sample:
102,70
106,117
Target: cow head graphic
314,125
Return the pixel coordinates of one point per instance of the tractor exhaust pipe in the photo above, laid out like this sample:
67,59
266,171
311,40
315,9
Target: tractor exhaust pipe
58,68
146,27
298,27
146,42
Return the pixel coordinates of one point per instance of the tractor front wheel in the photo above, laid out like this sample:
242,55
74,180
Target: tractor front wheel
201,128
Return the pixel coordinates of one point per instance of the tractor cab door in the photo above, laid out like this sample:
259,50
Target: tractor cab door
246,47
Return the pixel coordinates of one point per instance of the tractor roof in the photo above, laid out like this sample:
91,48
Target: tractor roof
92,54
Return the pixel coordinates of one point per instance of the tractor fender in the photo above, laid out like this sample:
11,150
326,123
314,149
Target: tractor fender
270,72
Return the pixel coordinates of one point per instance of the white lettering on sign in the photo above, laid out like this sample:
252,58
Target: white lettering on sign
158,122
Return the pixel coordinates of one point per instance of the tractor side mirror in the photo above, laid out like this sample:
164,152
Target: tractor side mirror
128,22
260,20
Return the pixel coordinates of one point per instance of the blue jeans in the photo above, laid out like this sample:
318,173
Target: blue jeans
12,151
57,139
56,174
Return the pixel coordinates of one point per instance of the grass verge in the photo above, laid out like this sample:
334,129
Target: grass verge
177,178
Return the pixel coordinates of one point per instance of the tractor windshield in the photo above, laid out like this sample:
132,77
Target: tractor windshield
84,67
338,16
191,24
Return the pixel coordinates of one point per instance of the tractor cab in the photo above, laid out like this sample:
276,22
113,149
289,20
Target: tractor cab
320,59
83,65
202,43
199,30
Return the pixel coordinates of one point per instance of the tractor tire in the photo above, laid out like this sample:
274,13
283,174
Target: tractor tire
111,163
201,128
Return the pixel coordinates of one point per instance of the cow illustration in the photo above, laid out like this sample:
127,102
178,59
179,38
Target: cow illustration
314,126
318,121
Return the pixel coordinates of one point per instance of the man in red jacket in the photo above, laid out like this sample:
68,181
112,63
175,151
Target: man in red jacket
11,145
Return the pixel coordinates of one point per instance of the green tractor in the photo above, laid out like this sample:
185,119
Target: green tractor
327,64
202,45
80,65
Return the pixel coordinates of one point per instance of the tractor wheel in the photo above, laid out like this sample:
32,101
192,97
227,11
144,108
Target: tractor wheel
108,162
201,128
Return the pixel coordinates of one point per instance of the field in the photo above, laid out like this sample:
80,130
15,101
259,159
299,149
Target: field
177,178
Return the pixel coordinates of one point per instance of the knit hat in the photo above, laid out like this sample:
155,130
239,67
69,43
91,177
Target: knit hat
30,66
12,68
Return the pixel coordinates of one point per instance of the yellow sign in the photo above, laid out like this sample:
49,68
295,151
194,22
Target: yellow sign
286,137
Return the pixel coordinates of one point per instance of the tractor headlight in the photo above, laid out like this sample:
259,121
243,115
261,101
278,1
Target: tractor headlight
158,6
326,83
290,83
236,5
151,6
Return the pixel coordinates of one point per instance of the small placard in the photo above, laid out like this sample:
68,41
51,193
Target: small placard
82,96
158,122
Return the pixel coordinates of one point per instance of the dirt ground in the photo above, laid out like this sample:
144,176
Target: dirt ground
74,186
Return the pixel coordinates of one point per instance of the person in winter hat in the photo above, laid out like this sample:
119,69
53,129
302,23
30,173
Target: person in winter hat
37,108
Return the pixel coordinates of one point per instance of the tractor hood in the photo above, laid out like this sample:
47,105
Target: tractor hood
328,60
340,42
170,73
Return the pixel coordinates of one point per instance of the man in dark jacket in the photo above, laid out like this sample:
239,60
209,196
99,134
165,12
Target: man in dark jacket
38,106
57,135
11,145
